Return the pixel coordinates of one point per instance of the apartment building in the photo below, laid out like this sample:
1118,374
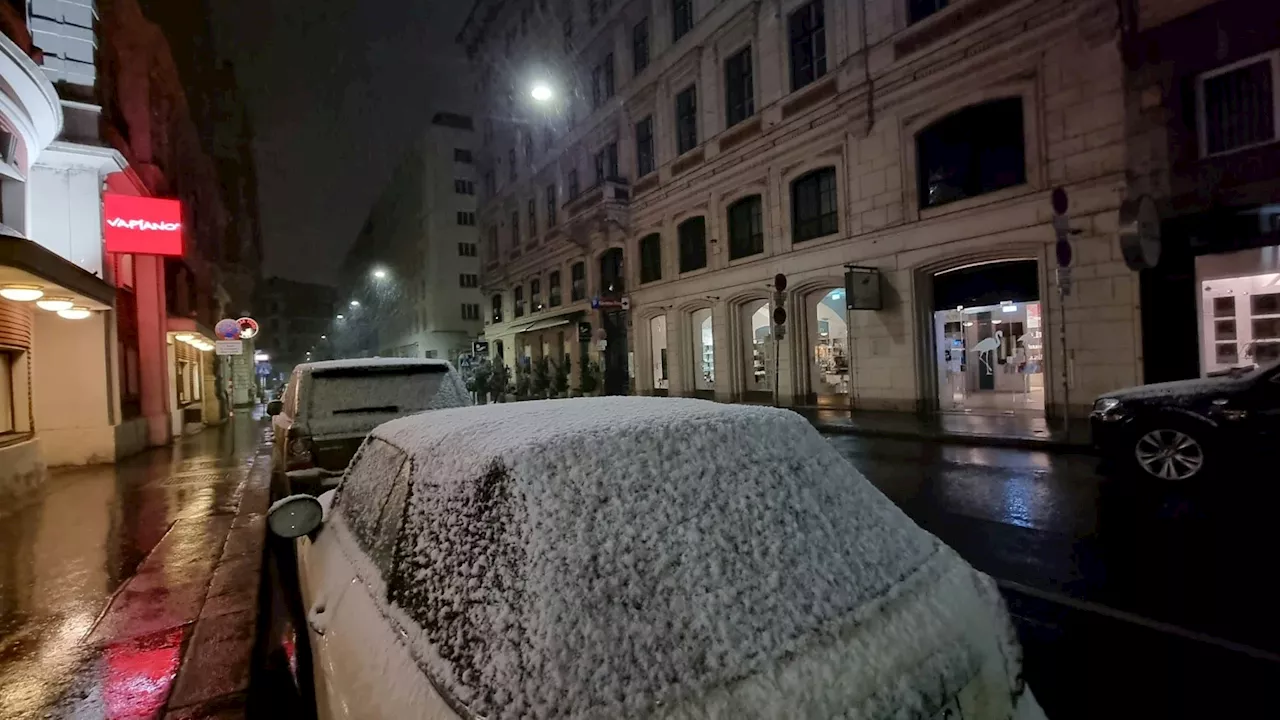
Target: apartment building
686,152
410,285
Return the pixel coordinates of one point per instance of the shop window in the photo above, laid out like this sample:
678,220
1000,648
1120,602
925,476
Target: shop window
497,308
746,228
757,336
704,356
650,258
611,277
553,288
830,338
692,234
686,120
806,29
578,282
918,10
535,295
644,147
517,297
7,415
1237,105
739,92
971,152
813,205
681,18
658,345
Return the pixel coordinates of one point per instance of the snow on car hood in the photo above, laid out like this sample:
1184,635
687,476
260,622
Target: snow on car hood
616,556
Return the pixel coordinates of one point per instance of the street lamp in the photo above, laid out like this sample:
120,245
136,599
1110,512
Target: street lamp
355,303
541,92
341,316
326,337
380,273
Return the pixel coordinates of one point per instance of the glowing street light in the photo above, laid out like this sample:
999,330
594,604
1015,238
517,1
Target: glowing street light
326,337
541,92
355,303
380,273
341,316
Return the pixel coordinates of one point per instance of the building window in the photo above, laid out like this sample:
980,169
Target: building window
739,94
470,311
650,258
533,218
644,147
553,288
686,120
468,280
568,31
535,295
918,10
467,249
466,217
1239,106
573,183
551,205
973,151
464,187
511,164
497,308
746,228
806,28
493,243
597,86
578,282
528,148
681,18
515,228
462,156
640,46
606,162
813,205
490,187
517,297
611,278
692,234
608,76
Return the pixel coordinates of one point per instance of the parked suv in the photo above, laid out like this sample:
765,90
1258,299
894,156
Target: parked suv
1177,431
328,407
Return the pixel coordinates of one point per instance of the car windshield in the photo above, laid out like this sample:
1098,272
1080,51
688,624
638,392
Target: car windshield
354,391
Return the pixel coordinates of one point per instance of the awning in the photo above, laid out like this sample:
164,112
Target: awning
550,322
23,262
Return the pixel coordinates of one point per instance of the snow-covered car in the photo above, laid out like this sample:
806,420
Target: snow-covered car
1181,431
328,407
635,557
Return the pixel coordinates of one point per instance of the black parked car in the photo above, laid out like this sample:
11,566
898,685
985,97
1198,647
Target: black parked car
1182,430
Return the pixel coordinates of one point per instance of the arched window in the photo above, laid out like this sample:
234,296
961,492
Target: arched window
813,205
650,258
497,308
693,244
611,279
746,228
971,152
578,282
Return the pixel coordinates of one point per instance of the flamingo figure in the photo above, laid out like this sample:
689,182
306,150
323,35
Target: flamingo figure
986,346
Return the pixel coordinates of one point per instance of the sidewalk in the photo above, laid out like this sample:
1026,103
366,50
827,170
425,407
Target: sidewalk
1012,431
131,590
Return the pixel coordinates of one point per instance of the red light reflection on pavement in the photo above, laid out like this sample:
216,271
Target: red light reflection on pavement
140,674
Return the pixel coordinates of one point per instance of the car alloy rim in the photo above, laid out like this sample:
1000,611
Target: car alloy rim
1169,454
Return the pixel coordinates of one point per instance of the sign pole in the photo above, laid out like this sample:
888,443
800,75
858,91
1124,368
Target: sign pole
1064,252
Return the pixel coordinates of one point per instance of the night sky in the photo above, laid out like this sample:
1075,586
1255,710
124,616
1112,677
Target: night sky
335,91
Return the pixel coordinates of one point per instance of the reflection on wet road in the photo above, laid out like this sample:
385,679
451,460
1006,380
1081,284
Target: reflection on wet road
67,553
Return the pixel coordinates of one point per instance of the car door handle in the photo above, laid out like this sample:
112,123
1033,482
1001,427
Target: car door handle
317,620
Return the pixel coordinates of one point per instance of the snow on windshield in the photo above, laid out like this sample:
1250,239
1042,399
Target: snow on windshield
398,390
594,557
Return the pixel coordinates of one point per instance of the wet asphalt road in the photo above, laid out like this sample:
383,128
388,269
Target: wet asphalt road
67,550
1131,599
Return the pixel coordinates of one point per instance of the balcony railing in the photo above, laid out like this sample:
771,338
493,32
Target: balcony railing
596,209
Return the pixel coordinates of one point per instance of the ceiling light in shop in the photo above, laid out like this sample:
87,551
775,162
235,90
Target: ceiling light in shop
969,324
996,322
21,293
184,337
75,313
55,304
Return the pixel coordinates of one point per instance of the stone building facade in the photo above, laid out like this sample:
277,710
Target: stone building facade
693,150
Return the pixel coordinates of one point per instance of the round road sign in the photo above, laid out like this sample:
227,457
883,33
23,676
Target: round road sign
248,328
227,329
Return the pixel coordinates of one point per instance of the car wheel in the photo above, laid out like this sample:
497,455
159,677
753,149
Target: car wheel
1171,452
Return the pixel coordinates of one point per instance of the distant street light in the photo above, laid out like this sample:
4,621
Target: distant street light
380,273
541,92
341,316
326,337
355,303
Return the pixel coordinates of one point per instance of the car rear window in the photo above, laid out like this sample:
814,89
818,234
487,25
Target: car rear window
397,389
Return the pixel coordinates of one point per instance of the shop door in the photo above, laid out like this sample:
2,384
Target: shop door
616,378
986,352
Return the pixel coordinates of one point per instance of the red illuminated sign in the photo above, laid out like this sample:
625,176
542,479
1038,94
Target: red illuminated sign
141,225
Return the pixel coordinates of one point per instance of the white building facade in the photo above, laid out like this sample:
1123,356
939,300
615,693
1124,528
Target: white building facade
411,282
698,149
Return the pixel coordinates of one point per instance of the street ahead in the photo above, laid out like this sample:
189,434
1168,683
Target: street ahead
1131,600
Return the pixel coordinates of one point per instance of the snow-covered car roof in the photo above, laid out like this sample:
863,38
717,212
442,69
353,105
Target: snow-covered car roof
351,363
606,557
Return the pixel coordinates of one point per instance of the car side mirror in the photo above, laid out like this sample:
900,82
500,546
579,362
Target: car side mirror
274,407
295,516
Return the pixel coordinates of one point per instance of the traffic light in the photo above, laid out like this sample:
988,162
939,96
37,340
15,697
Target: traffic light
779,306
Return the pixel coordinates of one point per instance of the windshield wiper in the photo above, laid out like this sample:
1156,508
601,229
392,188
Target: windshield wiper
375,409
